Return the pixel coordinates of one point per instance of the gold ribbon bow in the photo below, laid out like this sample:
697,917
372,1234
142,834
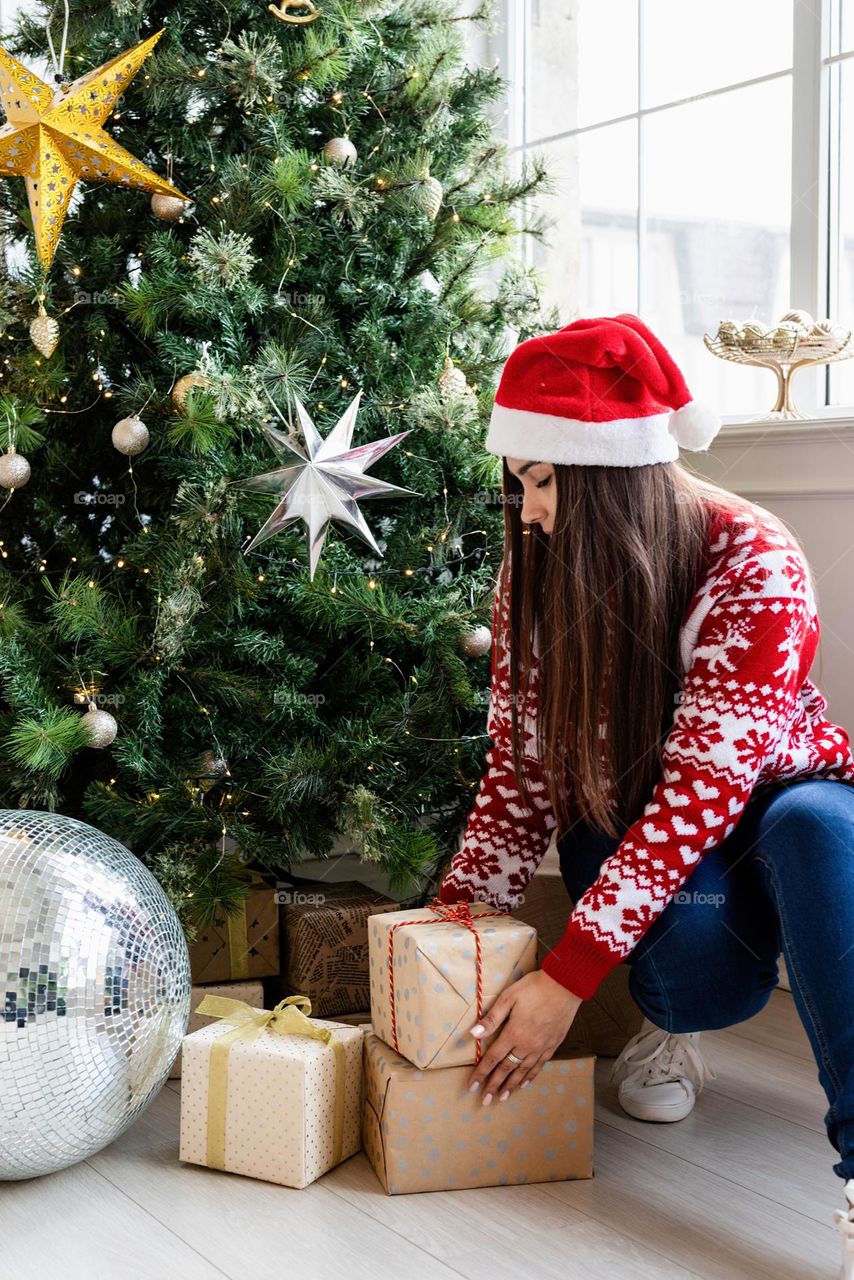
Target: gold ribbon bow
289,1018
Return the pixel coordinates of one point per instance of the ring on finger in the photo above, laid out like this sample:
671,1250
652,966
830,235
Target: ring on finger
512,1056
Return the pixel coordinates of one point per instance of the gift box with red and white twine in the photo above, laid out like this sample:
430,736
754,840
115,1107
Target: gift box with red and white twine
435,971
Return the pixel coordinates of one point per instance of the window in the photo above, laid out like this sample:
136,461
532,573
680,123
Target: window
841,182
702,169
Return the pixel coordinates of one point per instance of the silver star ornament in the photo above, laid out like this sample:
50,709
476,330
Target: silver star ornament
325,482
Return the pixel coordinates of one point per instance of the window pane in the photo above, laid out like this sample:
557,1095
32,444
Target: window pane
577,73
590,264
842,374
691,48
841,26
717,227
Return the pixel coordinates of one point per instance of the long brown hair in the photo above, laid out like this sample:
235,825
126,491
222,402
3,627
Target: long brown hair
607,592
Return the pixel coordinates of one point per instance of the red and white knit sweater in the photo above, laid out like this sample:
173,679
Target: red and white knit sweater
747,714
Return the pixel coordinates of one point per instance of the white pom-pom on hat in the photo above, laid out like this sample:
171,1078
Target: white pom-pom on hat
694,426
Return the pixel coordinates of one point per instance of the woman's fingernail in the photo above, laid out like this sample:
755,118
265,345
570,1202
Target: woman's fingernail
473,1088
527,1084
478,1030
487,1098
502,1097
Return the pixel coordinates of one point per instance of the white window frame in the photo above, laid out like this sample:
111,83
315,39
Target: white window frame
816,138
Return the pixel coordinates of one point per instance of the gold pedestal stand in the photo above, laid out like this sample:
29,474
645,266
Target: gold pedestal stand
784,353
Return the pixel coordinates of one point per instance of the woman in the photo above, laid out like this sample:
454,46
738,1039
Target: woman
713,826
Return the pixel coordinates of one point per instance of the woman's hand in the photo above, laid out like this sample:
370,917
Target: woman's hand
539,1012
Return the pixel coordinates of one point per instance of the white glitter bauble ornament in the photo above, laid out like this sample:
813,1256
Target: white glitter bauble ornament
167,208
96,975
340,152
130,435
476,641
101,727
14,470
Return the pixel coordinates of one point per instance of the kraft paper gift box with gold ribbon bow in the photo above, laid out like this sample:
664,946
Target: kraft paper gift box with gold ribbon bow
243,944
277,1095
436,970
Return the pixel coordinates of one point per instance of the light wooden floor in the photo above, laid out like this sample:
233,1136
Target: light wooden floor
741,1188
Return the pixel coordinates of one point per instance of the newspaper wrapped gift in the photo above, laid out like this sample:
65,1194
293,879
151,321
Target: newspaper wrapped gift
423,1130
275,1096
436,970
251,992
325,930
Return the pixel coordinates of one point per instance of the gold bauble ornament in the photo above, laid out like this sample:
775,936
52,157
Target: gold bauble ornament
452,381
284,11
44,332
100,725
14,470
130,436
167,208
476,641
430,195
183,385
784,335
53,138
340,152
751,333
728,332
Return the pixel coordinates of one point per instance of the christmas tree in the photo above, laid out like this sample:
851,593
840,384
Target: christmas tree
178,668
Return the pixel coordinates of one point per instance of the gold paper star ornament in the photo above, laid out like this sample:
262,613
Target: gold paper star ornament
53,138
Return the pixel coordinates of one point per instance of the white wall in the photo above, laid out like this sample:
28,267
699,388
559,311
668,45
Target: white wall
804,473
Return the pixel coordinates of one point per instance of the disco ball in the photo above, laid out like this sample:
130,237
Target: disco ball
97,990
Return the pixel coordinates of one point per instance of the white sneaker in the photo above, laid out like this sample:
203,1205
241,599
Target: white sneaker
661,1073
844,1219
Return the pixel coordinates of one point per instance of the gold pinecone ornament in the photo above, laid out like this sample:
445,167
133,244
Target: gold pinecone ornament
452,381
430,195
44,331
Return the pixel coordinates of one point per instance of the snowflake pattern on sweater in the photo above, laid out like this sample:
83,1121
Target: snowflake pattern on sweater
747,714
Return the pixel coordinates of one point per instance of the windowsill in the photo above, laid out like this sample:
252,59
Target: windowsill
828,418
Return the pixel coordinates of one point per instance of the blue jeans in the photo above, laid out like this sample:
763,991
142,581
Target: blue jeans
782,880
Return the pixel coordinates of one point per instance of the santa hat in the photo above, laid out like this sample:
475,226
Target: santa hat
601,392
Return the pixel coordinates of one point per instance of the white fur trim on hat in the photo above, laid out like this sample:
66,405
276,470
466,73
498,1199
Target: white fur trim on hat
623,442
694,426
